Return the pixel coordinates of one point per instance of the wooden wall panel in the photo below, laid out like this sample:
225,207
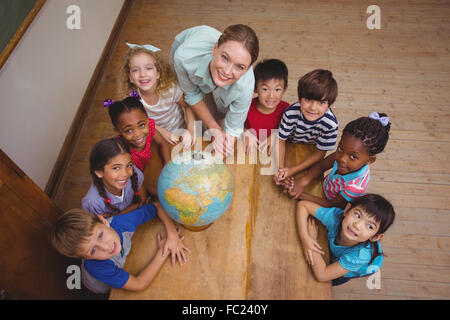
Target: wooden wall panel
29,267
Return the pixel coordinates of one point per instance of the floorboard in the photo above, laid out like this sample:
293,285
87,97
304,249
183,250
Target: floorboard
402,69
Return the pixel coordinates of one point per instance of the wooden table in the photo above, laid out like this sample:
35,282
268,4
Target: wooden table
251,252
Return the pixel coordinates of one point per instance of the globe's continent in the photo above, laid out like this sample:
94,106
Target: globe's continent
200,194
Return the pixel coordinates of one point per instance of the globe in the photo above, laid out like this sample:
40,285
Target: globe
195,189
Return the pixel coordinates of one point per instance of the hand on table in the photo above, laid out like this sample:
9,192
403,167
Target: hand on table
175,246
223,143
310,243
250,142
265,146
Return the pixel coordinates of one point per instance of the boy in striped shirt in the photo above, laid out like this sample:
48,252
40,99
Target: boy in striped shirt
310,121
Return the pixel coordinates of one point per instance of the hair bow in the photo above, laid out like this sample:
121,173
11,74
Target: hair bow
145,46
383,120
108,102
134,94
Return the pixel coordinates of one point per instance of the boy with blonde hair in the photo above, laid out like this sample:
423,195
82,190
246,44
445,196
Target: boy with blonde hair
104,245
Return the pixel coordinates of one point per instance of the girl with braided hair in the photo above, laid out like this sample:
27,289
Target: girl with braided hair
117,184
362,139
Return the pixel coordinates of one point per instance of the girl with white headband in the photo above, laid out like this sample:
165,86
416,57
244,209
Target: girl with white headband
362,139
147,76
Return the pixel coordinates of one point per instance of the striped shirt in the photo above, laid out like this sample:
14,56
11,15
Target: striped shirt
296,129
349,186
166,112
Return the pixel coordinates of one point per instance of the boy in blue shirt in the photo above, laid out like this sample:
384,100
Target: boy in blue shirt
104,246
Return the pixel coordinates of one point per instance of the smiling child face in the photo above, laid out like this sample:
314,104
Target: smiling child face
133,127
103,244
313,110
116,172
143,72
358,226
351,154
270,92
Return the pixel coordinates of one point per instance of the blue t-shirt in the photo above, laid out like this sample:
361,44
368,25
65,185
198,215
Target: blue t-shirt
100,275
355,258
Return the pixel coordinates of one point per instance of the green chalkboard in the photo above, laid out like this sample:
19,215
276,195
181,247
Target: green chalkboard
12,14
15,17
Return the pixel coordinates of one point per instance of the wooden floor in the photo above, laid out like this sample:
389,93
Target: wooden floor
403,69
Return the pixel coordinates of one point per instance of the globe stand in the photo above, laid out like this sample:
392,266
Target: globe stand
197,229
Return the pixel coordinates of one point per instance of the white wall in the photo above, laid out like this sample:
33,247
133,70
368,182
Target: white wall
44,79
